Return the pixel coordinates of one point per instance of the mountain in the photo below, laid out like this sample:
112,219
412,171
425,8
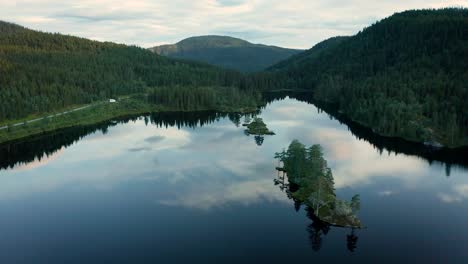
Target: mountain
41,72
405,76
227,52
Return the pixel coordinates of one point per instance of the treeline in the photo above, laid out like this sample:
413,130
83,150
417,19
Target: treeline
190,98
404,76
41,72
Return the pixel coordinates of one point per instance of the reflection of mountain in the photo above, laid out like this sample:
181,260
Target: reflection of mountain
447,156
306,179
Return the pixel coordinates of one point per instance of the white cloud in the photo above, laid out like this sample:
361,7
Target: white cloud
448,198
293,23
459,193
386,193
246,193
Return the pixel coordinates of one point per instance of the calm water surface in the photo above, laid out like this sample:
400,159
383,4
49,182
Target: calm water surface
146,193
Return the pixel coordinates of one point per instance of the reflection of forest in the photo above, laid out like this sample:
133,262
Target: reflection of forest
304,176
38,147
445,155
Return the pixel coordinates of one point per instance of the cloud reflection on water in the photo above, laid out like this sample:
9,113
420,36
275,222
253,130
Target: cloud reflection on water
216,165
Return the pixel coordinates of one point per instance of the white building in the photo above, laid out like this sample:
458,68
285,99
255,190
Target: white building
112,101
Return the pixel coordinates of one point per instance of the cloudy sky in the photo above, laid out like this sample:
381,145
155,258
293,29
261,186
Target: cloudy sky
146,23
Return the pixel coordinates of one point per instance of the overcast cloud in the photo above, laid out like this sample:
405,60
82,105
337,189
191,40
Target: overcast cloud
146,23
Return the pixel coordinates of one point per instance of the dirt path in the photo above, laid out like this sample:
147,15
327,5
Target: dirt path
50,116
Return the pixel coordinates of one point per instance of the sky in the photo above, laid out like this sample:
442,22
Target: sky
147,23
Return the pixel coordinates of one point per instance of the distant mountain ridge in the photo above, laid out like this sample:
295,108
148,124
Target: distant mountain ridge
227,52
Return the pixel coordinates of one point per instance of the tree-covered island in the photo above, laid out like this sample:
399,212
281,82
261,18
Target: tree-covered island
258,127
311,184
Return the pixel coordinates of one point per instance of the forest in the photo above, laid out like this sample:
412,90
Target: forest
404,76
42,72
224,99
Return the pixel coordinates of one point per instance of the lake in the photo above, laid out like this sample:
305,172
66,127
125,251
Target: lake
194,188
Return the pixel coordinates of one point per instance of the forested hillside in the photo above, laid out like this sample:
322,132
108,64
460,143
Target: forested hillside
299,59
405,76
41,72
227,52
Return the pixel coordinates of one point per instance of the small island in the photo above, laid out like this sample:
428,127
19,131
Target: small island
311,183
258,127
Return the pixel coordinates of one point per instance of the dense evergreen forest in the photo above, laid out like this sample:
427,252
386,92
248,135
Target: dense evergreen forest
226,99
405,76
226,52
42,72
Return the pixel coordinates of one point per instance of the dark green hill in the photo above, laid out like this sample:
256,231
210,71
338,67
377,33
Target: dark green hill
404,76
42,72
302,58
226,52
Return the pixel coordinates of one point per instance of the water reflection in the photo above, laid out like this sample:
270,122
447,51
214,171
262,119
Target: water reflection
36,148
143,177
353,161
317,230
39,148
448,157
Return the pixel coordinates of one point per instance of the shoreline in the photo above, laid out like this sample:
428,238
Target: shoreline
101,112
330,108
94,115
